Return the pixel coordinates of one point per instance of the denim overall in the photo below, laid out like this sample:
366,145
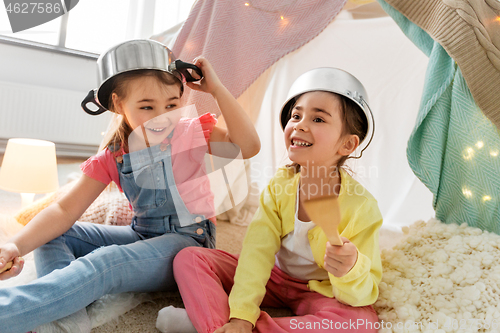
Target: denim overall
91,260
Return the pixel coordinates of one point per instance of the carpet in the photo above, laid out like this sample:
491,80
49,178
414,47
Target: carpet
441,278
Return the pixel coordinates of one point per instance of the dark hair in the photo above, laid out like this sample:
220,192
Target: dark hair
353,122
122,130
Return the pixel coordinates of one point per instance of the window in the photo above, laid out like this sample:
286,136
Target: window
47,33
95,25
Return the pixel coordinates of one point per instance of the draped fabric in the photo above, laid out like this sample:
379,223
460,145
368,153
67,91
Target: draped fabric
242,39
454,149
469,31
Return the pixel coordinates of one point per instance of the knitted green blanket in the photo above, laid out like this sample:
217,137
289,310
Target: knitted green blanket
454,149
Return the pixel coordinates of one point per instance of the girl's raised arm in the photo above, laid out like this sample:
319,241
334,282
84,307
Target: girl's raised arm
240,129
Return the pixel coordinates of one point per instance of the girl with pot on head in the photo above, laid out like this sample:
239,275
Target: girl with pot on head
151,156
286,260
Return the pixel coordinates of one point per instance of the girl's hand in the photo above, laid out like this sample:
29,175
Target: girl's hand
339,260
239,127
9,252
210,82
236,326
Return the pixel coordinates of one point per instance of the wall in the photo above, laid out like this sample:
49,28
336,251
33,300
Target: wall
55,83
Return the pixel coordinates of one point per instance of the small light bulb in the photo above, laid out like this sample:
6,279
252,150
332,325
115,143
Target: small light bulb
468,154
247,4
102,133
281,17
486,198
480,144
494,153
467,193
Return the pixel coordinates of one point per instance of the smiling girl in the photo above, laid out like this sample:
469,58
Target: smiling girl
151,155
286,260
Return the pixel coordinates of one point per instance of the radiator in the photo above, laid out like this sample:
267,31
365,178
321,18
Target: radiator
36,112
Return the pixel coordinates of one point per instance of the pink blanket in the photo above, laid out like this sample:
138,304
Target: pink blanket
242,38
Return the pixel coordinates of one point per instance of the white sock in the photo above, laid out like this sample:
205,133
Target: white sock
174,320
78,322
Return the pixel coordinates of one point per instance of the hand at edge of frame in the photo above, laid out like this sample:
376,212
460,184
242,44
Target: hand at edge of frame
9,253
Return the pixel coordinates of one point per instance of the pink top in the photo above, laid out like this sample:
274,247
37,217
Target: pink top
196,193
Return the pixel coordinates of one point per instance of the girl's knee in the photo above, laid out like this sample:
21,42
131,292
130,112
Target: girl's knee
188,255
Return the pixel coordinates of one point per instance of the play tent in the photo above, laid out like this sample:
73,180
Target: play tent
366,42
432,74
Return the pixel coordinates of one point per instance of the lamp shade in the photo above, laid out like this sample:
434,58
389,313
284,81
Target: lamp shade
29,166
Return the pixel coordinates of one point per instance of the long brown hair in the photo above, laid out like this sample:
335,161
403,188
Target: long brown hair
353,122
118,129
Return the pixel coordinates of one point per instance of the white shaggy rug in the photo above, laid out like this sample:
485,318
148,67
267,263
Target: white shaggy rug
441,278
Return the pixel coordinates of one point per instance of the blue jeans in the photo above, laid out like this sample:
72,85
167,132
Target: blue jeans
90,261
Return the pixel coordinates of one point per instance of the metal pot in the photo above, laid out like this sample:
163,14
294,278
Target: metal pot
129,56
336,81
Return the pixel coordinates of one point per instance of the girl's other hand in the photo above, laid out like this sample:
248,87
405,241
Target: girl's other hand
9,252
339,260
210,82
236,326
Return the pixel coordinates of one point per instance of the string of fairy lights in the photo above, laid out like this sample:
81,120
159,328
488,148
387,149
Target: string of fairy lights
469,154
280,10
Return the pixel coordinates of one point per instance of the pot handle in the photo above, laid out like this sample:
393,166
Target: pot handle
183,68
91,99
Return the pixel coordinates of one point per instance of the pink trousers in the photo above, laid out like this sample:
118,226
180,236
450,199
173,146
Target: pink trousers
205,278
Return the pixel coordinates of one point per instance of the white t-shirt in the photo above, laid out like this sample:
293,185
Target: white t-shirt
295,255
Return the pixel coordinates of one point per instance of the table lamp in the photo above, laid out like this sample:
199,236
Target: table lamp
29,166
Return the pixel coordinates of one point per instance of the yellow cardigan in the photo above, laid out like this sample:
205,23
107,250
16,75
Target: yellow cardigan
361,221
